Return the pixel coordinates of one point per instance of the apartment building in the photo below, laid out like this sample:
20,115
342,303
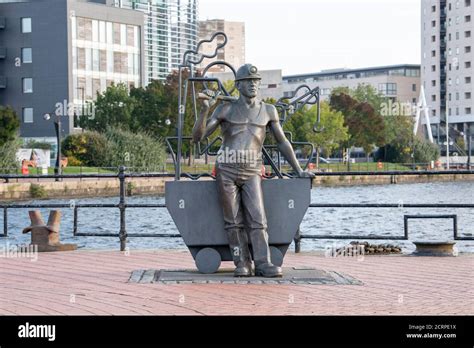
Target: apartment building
56,55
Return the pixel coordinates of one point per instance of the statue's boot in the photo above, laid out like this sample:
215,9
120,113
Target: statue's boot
239,249
261,255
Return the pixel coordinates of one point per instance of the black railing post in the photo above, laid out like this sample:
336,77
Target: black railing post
123,231
455,226
5,222
297,241
74,229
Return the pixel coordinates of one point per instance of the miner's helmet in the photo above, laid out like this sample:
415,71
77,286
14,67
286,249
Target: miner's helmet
246,72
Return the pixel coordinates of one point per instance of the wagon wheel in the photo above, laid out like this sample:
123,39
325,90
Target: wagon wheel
208,260
276,256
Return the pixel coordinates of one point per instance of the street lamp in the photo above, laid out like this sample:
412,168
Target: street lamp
57,127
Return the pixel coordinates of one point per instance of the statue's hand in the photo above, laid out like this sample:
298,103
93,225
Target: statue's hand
305,174
208,97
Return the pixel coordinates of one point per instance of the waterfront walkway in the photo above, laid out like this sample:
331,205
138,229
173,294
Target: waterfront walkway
96,282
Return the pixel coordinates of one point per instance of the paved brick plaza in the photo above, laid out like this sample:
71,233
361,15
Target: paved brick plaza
96,282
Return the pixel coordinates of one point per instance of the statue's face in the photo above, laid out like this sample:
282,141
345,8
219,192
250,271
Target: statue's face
248,87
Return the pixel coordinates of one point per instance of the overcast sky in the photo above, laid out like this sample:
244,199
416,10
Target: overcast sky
303,36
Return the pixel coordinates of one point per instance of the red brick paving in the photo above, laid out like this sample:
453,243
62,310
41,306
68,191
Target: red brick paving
95,282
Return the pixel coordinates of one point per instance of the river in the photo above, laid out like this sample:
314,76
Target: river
334,221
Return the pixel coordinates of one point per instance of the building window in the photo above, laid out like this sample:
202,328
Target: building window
433,8
413,87
433,83
467,3
467,79
467,19
433,68
26,25
433,53
433,38
433,24
467,34
467,49
413,100
433,98
467,95
468,111
26,55
457,95
27,115
388,88
27,85
467,65
433,113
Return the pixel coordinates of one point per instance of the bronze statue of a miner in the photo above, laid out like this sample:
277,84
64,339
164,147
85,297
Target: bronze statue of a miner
238,169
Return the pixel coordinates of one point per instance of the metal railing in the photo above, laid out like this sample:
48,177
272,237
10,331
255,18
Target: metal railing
122,175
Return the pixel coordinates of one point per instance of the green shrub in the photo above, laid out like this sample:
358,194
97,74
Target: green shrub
401,152
87,149
9,125
37,191
8,161
425,151
138,150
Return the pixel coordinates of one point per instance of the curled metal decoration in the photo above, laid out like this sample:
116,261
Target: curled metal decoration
297,102
221,86
188,60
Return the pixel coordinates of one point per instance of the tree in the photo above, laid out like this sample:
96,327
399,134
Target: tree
9,125
153,109
366,126
113,108
333,132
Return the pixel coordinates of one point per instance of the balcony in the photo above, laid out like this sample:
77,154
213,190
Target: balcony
2,22
3,52
3,82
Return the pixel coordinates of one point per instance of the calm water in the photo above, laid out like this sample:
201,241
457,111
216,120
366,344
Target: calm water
380,221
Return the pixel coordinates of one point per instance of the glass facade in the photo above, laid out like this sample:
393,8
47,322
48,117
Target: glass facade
103,53
171,29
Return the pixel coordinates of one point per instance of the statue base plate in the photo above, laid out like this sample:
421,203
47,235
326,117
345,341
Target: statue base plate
291,275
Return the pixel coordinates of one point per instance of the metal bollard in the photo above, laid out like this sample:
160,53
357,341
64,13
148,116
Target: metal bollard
46,237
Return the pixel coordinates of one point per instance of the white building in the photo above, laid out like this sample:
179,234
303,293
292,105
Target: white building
447,71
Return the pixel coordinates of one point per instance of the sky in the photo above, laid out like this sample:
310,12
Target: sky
304,36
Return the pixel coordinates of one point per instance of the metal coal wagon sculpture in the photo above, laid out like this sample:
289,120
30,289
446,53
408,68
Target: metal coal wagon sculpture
238,213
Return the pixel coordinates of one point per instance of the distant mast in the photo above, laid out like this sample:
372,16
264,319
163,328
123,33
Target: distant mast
423,107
